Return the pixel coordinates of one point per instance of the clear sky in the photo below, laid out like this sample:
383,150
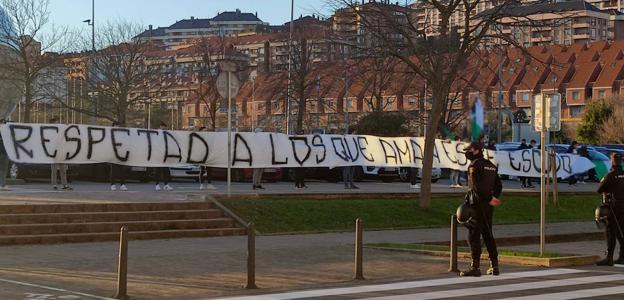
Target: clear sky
163,13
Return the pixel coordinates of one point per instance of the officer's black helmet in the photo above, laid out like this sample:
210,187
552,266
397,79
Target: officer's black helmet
466,215
602,214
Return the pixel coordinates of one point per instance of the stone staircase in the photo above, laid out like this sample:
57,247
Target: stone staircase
75,223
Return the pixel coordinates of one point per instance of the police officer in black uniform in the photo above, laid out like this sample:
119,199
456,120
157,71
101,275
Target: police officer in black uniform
484,187
612,187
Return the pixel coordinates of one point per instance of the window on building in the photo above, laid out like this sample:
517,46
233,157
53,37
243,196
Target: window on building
576,111
601,94
575,95
525,96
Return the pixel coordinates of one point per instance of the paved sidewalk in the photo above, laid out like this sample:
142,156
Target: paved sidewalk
142,192
193,268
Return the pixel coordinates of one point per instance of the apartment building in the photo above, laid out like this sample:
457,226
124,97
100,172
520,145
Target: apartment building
229,23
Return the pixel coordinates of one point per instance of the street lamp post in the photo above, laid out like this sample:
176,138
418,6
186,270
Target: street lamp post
288,106
91,22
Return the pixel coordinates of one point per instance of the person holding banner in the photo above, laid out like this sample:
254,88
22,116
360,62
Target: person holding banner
257,172
612,188
300,173
484,189
59,170
162,173
118,173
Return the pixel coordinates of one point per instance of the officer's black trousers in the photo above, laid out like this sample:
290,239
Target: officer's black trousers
483,228
613,233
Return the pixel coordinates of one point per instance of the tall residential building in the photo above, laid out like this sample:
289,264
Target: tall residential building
534,23
229,23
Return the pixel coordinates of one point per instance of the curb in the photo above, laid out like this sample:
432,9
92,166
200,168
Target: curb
549,262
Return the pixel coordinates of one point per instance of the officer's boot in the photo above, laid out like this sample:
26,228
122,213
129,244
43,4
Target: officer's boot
607,261
493,270
473,272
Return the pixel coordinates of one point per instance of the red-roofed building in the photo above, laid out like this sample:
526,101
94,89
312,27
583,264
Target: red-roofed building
579,88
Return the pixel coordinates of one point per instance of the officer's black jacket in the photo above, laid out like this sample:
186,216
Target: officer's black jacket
613,183
483,179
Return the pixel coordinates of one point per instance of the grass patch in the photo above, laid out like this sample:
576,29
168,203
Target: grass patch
310,215
423,247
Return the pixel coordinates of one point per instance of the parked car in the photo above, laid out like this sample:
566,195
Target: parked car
614,146
404,174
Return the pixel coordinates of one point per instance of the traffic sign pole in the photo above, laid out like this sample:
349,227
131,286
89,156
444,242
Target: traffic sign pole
229,135
543,177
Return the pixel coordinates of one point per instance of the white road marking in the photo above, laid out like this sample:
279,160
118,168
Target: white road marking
595,292
54,289
503,288
403,285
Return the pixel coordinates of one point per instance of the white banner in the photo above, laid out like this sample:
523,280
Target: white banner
79,144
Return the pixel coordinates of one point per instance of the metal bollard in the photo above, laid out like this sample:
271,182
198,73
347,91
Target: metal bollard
453,260
122,270
358,250
251,257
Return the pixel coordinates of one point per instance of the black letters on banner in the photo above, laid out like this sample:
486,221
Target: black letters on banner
567,163
401,152
166,136
511,161
383,146
342,154
446,152
238,137
460,150
436,155
44,140
92,141
149,140
192,137
363,147
319,144
115,144
17,144
536,162
293,139
273,161
73,139
355,144
415,146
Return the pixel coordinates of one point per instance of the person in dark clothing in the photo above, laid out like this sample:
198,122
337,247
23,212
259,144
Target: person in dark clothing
612,187
485,186
573,149
300,173
591,174
526,181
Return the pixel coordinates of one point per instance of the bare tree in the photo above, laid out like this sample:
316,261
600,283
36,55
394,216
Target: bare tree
437,52
304,76
124,73
25,34
206,52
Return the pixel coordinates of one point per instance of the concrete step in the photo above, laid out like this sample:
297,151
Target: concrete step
98,227
114,236
86,217
102,207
